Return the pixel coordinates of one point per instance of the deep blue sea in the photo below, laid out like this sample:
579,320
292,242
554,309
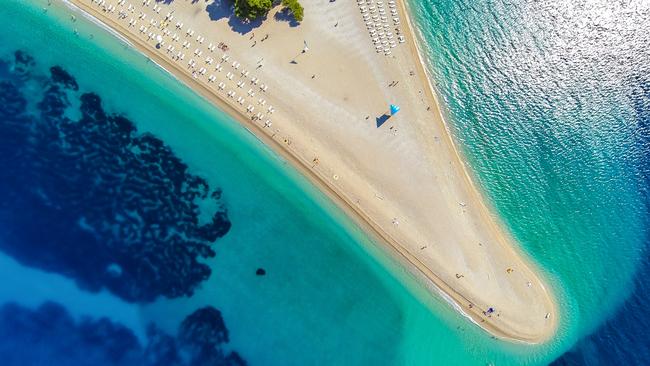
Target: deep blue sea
623,339
139,225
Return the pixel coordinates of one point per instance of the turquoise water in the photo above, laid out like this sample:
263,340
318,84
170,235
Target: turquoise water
543,97
561,174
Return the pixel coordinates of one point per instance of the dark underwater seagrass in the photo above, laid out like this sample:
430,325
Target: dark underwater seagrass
93,199
90,198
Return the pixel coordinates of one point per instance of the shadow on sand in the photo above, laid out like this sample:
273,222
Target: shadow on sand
167,2
382,119
223,9
285,16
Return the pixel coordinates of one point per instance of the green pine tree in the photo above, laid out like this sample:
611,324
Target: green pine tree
296,9
252,9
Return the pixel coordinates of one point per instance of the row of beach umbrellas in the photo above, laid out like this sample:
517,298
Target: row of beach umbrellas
199,66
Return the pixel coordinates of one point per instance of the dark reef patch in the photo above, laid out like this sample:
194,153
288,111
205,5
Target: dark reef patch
49,335
60,76
200,332
92,198
23,63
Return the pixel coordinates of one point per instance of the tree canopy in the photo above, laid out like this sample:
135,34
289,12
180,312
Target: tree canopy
295,8
252,9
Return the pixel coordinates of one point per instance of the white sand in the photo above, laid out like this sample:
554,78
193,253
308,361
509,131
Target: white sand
405,185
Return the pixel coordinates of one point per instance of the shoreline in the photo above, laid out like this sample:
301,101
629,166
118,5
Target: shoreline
365,222
478,192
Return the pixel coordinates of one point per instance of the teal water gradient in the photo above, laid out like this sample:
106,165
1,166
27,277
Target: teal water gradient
330,296
539,95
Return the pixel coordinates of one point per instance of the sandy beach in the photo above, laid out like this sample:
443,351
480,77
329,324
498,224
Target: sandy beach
316,92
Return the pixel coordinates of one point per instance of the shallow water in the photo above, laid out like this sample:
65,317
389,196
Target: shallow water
549,100
92,241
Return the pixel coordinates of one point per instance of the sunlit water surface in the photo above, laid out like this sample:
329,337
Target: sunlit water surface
134,219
